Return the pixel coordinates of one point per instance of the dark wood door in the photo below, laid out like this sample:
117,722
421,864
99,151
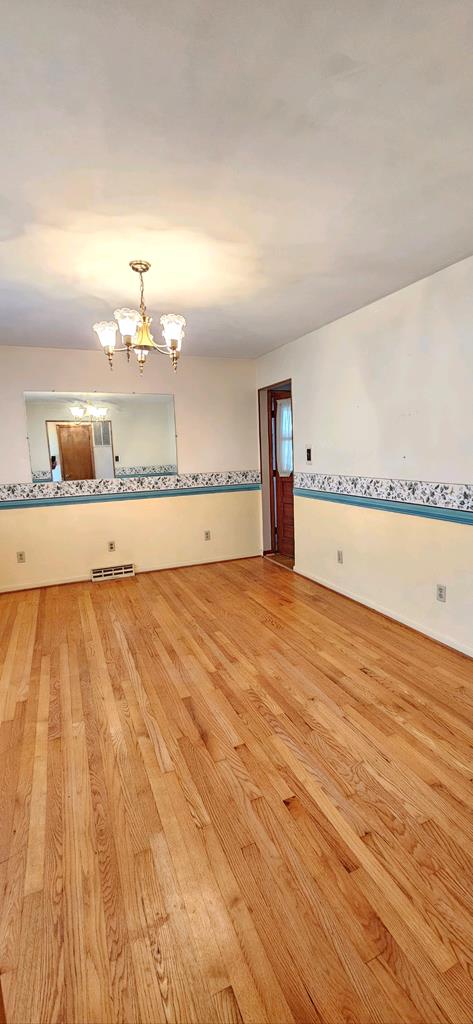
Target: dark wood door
283,488
75,451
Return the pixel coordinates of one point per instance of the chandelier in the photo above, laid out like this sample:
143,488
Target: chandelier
134,328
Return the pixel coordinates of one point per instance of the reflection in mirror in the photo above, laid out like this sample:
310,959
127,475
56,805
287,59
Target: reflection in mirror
92,436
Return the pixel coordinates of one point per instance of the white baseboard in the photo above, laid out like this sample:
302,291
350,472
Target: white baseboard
43,583
442,638
142,568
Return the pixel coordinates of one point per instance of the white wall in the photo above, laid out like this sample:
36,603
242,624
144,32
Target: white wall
144,435
103,461
216,422
215,401
37,415
387,391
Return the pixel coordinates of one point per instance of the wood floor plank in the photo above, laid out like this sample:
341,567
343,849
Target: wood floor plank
228,794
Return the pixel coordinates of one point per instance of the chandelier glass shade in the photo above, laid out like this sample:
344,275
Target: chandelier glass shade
135,329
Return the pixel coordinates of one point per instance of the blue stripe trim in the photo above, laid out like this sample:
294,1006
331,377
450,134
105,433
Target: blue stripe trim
87,499
452,515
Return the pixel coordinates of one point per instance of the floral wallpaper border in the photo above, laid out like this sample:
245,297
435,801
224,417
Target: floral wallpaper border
41,475
416,492
130,485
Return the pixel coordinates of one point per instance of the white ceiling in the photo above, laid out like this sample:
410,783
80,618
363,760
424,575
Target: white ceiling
280,163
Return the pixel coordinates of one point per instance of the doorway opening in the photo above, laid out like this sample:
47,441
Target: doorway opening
277,472
80,451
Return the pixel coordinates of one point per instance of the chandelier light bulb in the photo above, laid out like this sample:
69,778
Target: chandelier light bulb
128,321
77,411
96,412
107,332
173,330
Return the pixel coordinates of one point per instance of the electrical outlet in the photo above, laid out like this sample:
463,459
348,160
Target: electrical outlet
340,557
441,592
308,454
207,535
21,556
111,545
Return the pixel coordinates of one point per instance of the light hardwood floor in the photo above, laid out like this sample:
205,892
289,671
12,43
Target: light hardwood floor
228,794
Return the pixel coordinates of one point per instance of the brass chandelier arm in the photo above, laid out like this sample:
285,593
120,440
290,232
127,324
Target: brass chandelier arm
162,349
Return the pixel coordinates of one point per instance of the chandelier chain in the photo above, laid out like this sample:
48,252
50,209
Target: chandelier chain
142,295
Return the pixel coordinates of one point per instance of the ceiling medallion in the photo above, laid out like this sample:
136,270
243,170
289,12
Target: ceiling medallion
134,328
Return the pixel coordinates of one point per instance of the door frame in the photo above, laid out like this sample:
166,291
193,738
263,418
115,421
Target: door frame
70,423
90,423
280,385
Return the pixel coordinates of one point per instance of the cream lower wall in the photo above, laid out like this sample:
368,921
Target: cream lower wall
392,563
64,542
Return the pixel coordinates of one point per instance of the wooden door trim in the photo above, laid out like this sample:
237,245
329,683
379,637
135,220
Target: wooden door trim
280,390
269,388
276,395
67,424
271,469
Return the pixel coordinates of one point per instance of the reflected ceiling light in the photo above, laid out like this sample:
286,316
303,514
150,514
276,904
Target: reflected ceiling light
134,328
96,412
91,412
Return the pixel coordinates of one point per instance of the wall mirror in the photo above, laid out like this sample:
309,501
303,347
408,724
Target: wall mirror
95,436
